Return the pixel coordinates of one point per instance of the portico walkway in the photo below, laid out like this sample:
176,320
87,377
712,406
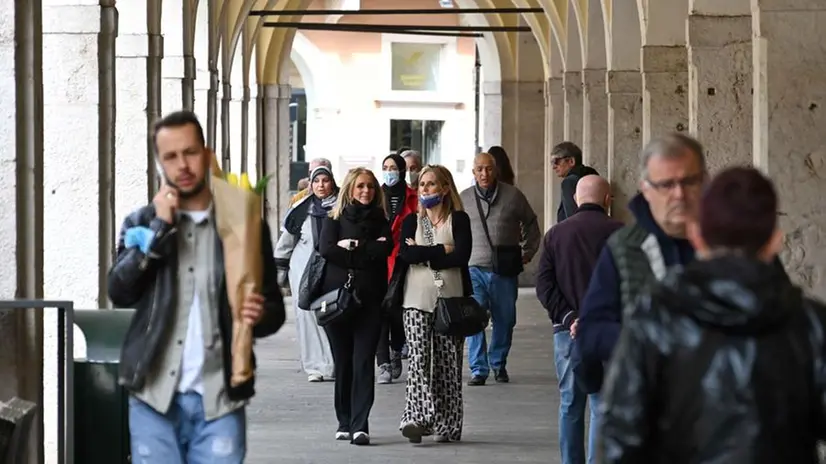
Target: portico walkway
292,421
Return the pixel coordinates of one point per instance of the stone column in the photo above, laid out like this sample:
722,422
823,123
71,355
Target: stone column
154,81
624,138
595,120
529,158
572,85
188,81
77,54
245,129
212,65
492,129
789,122
276,141
523,111
71,96
173,55
21,231
554,131
719,90
226,98
107,84
131,96
665,90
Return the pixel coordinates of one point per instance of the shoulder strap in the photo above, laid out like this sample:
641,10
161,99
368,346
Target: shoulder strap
483,217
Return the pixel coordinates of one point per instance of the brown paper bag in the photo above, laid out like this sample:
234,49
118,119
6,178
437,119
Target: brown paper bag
238,220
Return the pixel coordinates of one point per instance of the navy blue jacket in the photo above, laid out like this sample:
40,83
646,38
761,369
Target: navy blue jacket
569,253
600,315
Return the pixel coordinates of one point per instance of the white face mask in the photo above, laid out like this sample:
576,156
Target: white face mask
412,178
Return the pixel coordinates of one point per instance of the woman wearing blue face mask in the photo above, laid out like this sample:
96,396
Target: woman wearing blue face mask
435,242
400,201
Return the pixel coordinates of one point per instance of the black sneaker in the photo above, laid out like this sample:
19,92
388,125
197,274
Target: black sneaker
395,365
476,381
501,376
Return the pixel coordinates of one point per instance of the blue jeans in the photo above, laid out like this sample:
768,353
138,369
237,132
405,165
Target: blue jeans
498,294
183,436
572,407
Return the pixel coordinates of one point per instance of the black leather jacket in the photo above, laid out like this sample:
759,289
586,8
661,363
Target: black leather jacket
147,284
723,363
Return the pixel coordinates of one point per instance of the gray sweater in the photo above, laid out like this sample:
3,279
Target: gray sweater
511,221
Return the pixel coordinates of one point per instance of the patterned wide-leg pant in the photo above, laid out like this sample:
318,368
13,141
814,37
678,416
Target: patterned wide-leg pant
434,377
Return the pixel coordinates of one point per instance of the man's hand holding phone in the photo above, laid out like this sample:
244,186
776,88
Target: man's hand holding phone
166,203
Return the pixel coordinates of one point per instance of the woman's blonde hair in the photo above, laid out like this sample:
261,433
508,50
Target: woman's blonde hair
345,195
444,178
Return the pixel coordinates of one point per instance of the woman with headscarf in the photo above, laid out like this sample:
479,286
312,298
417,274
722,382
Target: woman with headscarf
299,235
400,200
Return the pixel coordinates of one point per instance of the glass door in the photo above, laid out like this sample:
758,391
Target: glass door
420,135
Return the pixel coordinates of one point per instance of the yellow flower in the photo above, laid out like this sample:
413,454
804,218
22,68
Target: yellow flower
232,179
245,182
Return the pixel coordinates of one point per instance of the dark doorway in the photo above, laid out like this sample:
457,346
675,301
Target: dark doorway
420,135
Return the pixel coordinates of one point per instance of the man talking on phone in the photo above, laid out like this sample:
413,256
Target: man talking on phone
176,360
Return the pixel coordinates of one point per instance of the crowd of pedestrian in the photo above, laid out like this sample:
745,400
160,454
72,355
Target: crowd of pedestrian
680,332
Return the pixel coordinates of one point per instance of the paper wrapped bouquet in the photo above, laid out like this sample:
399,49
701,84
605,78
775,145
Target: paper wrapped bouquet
238,221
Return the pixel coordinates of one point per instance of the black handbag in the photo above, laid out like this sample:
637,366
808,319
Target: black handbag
336,304
456,316
507,260
313,276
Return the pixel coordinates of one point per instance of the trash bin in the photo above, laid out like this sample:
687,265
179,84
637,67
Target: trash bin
101,405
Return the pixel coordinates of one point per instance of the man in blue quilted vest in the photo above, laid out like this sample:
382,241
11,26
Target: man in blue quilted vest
672,175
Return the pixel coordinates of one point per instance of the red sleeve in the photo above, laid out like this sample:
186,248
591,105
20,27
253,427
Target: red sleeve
411,205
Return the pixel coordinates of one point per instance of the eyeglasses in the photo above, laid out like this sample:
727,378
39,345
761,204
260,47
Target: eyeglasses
558,160
671,184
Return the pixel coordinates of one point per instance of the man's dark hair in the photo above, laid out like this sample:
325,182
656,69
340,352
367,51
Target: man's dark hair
568,150
503,164
178,119
738,211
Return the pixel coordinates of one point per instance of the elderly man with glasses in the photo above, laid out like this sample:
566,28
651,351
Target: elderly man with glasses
673,171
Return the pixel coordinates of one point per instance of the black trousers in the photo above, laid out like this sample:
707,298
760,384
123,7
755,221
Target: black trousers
392,336
353,342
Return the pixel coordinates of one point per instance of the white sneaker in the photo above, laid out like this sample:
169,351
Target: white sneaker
341,436
361,439
315,378
385,376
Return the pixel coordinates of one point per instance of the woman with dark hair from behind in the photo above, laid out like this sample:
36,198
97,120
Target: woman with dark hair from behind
726,360
503,163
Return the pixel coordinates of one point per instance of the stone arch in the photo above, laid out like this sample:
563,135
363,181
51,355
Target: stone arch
312,66
315,73
279,45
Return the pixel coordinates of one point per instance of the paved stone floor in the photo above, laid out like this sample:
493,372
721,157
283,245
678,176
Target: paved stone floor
292,421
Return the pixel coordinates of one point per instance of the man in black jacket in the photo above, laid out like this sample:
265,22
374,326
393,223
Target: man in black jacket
722,360
176,358
570,250
566,162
